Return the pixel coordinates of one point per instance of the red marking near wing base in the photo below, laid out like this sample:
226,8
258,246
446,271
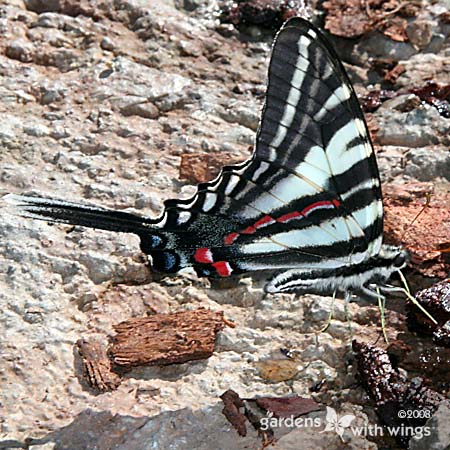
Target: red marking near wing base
203,255
230,238
223,268
318,205
260,223
289,216
264,221
267,220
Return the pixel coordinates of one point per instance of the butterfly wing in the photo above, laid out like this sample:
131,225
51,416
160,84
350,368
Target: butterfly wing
310,195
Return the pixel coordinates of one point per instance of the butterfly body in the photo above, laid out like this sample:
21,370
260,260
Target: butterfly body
306,207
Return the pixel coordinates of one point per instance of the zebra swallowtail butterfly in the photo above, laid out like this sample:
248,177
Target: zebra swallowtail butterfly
306,207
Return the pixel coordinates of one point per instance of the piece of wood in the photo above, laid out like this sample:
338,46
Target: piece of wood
166,338
231,410
97,367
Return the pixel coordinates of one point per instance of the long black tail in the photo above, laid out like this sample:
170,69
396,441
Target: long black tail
53,210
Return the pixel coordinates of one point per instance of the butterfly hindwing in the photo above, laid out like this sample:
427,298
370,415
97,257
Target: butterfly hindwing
310,195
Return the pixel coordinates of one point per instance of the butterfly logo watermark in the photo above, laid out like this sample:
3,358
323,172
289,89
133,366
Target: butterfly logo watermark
336,423
341,424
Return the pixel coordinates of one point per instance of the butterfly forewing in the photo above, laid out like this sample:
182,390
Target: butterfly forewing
310,195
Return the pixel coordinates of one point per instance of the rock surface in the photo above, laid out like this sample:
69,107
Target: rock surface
99,103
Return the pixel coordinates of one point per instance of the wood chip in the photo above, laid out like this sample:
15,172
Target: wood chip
231,410
391,76
97,367
166,338
392,392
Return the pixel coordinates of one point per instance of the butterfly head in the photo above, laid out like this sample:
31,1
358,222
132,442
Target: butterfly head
389,260
397,256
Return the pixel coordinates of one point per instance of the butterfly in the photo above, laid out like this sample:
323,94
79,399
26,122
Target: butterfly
305,209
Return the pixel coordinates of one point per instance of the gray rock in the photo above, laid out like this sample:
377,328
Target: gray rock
437,43
107,44
317,440
21,50
100,269
64,59
60,132
52,94
236,112
50,20
36,130
134,79
439,427
192,5
379,45
420,33
417,128
202,429
41,6
422,67
427,164
141,108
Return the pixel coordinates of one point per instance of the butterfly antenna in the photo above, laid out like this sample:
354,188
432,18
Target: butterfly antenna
427,204
407,292
347,313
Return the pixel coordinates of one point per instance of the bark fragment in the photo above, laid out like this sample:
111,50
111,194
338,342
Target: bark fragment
394,393
166,338
97,367
436,300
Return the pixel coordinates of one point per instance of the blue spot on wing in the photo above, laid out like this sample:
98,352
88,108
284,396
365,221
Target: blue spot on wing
151,242
165,261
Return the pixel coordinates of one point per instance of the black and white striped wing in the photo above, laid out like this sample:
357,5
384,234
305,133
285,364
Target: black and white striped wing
310,195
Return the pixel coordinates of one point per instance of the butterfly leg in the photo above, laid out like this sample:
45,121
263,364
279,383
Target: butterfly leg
387,288
348,296
330,315
371,293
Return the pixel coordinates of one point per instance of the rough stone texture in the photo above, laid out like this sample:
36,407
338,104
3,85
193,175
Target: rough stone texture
99,101
440,431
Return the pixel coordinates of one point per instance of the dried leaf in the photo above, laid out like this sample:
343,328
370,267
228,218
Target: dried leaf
354,18
395,29
445,17
288,406
436,95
